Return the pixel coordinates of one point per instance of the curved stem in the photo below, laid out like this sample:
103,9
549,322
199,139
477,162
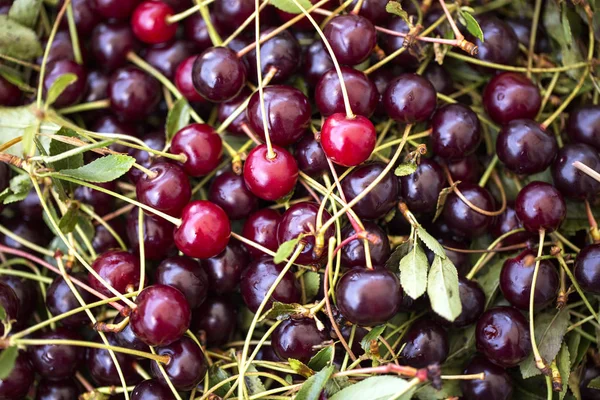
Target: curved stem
504,67
495,243
92,105
140,233
539,361
532,35
565,103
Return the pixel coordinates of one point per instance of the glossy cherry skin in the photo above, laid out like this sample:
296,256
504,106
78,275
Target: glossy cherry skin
421,189
500,43
409,99
351,37
183,80
288,114
186,367
502,335
257,279
157,233
194,29
225,109
540,205
373,10
133,94
584,125
425,343
56,390
85,15
201,145
368,297
225,269
509,96
270,179
362,93
169,191
229,192
497,384
60,299
506,222
455,131
151,389
27,292
110,43
102,367
282,52
316,62
301,219
72,93
310,156
166,58
162,315
218,75
348,141
126,337
439,78
569,180
149,22
587,268
120,269
261,227
186,275
204,231
9,301
379,201
230,14
117,9
391,43
467,169
216,319
463,220
472,299
295,338
10,95
155,141
56,362
16,385
353,253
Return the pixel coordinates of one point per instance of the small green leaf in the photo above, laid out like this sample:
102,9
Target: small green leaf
311,389
413,272
405,169
442,289
372,335
300,368
57,147
472,25
25,12
431,242
336,384
322,358
2,313
217,375
282,311
59,86
104,169
394,7
312,283
17,40
7,361
563,362
18,189
285,250
441,201
290,7
177,118
68,222
375,388
254,383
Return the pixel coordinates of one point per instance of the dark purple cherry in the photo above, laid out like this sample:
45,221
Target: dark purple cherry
201,145
348,141
270,178
310,156
16,385
186,367
186,275
571,181
27,292
466,169
126,337
587,268
120,269
168,191
379,201
155,141
60,49
60,390
460,259
316,62
589,373
455,131
351,37
362,93
229,192
473,303
218,75
391,43
373,10
496,385
97,86
409,98
522,29
183,80
511,95
382,78
168,56
506,222
425,343
584,125
258,278
10,95
500,43
60,299
295,338
230,14
85,15
225,269
353,253
111,124
101,202
282,52
421,189
9,301
225,109
56,362
158,235
194,29
117,9
502,335
103,369
73,92
439,78
463,220
149,22
133,94
540,205
110,44
215,320
151,389
261,227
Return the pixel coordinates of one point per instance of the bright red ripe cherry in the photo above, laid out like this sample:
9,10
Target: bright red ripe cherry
149,22
540,205
183,80
348,141
509,96
204,231
201,145
120,269
270,179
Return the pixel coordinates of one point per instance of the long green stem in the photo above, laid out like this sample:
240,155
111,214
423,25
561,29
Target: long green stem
140,232
503,67
74,36
26,275
495,243
539,361
565,268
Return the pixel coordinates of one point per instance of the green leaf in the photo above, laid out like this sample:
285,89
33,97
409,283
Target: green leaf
472,25
25,12
336,384
68,222
7,361
282,311
431,242
372,335
17,40
375,388
254,383
57,147
550,328
405,169
217,375
18,189
489,280
442,289
441,201
572,339
594,383
2,313
413,272
13,121
59,86
177,118
394,7
14,78
285,250
311,389
28,138
104,169
312,283
461,343
563,362
393,263
300,368
322,358
290,7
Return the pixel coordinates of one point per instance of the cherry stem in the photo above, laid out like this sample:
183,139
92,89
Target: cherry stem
140,232
592,221
532,35
544,125
171,19
99,220
479,264
92,105
35,67
241,28
357,7
566,241
215,38
587,170
165,376
25,242
457,33
488,171
74,36
540,363
504,67
548,93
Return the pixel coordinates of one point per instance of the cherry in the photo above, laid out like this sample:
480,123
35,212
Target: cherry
509,96
506,222
295,338
16,385
351,37
316,62
162,315
158,235
60,49
409,98
382,78
10,95
9,301
60,390
282,52
118,9
97,88
261,227
540,205
166,58
472,299
111,124
229,14
183,80
439,78
379,201
155,141
103,369
421,189
455,131
218,75
120,269
27,293
195,30
151,389
73,92
270,179
33,231
310,156
391,43
424,343
258,278
186,367
353,253
110,44
522,29
149,22
373,10
186,275
368,297
301,219
569,180
587,268
496,384
348,141
460,259
133,94
584,125
102,203
56,362
85,15
524,147
229,192
466,169
126,337
169,191
215,320
362,93
288,114
502,335
204,231
225,109
225,269
500,43
463,220
60,299
201,145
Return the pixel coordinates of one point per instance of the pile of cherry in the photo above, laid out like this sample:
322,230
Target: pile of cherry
339,180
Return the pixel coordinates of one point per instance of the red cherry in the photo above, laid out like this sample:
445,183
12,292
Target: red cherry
270,179
183,80
348,141
149,22
201,145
